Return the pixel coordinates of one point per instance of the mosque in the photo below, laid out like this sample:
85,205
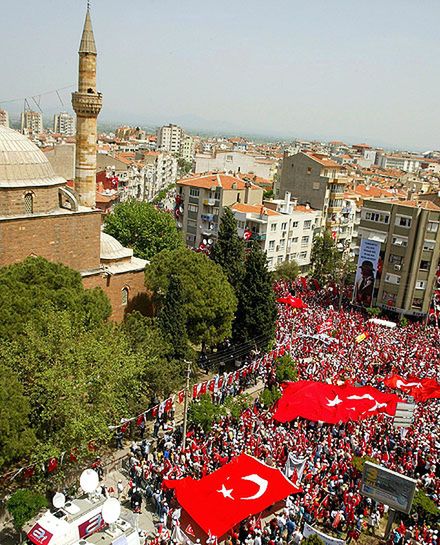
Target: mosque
41,216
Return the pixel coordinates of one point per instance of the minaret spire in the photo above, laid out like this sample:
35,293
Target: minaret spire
87,103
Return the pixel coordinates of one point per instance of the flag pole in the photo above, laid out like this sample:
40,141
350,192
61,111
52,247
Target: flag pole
185,405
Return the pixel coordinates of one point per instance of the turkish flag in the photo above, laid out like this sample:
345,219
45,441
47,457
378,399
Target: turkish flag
181,396
154,411
325,326
168,404
203,388
140,420
52,465
243,487
319,401
294,302
189,530
420,389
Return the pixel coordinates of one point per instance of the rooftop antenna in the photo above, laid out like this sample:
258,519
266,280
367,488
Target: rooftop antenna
88,5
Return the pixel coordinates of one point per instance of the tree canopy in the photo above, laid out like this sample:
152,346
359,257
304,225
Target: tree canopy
209,300
287,270
29,289
325,258
142,227
256,313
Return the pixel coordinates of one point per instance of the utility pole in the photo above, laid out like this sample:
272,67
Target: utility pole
185,405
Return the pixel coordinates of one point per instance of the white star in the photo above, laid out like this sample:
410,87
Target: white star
334,402
226,492
377,406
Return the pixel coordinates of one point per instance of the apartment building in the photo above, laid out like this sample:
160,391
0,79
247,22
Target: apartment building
187,147
401,162
31,122
4,118
236,161
315,179
283,229
200,201
64,123
169,138
409,234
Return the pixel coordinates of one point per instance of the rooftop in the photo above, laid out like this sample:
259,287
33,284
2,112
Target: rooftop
322,159
207,181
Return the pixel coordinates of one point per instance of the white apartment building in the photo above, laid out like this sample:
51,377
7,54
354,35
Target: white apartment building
31,122
284,230
4,118
408,164
169,138
187,147
159,171
236,161
64,123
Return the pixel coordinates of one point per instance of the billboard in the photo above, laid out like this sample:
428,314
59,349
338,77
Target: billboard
388,487
366,272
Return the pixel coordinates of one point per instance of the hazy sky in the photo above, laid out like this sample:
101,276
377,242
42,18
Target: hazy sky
332,69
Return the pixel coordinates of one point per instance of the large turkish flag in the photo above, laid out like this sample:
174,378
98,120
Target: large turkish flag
420,388
241,488
319,401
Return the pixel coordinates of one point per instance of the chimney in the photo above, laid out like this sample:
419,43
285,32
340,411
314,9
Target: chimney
247,188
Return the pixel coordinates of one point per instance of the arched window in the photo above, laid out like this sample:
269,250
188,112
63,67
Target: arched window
124,296
28,203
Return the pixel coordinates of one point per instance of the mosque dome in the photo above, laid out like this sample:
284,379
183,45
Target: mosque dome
112,250
22,164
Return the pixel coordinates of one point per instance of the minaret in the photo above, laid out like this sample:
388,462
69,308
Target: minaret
87,103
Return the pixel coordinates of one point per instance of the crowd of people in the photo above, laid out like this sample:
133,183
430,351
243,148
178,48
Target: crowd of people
330,481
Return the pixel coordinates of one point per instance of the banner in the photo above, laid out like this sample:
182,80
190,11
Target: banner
328,540
295,464
366,272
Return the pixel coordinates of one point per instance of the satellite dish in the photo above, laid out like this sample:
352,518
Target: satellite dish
59,500
111,509
205,242
89,481
209,240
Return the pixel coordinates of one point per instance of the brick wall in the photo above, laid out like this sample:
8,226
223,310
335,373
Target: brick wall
45,199
113,286
71,239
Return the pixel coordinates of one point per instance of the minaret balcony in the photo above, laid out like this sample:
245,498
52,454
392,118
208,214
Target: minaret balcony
87,104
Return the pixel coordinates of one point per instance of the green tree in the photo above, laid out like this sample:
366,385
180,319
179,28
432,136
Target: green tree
172,319
286,369
236,405
23,505
358,462
287,270
205,413
312,539
16,438
210,302
269,396
142,227
228,251
425,507
184,165
325,259
28,290
256,313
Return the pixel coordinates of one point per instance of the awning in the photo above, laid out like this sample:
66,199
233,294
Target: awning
378,237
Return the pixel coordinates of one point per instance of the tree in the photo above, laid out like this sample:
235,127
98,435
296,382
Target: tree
256,313
287,270
425,507
325,258
28,290
209,300
205,413
142,227
269,396
184,165
16,438
228,251
23,505
286,369
312,539
172,319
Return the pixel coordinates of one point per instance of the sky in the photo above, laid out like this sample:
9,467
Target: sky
357,71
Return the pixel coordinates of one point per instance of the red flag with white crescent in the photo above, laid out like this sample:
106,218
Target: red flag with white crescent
420,389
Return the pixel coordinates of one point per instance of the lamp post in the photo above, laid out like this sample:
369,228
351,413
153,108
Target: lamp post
185,405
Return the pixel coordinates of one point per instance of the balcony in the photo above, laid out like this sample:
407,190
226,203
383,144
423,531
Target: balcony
209,202
258,236
207,217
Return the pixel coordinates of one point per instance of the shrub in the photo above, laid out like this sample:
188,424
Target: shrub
24,505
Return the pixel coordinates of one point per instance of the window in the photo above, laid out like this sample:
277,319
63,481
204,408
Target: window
283,226
309,170
229,158
191,223
377,217
421,285
400,241
302,255
282,243
124,296
294,240
28,203
271,245
305,240
293,256
389,298
424,265
194,192
315,185
417,302
403,221
429,245
273,227
294,224
280,259
269,262
240,224
307,224
392,278
396,259
432,226
193,208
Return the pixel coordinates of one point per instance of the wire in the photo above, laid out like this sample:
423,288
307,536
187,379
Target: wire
37,95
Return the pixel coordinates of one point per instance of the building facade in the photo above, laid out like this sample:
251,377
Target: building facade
234,162
169,138
4,118
401,162
64,123
409,234
31,122
320,182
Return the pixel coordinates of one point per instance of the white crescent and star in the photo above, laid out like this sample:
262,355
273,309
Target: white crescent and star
259,481
337,400
401,384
